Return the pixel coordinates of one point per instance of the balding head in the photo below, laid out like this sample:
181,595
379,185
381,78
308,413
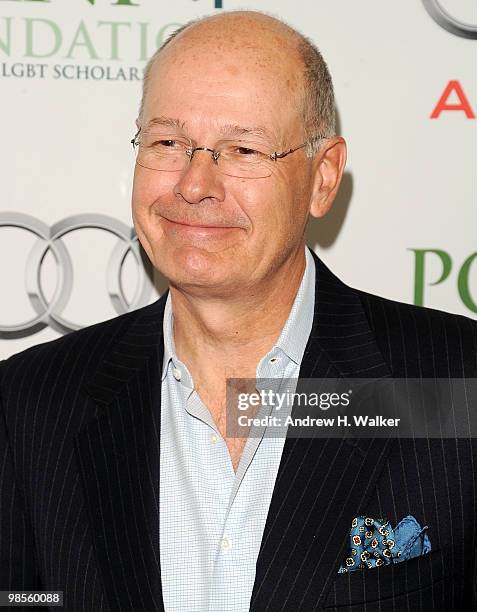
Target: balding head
266,44
224,183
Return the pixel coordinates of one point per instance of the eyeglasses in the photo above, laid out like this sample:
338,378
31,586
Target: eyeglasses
171,153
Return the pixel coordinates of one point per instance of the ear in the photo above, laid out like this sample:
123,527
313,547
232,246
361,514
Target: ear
328,167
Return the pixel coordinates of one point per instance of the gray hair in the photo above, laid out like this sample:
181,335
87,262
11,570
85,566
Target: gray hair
319,112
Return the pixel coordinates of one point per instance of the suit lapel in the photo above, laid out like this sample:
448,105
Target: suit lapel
118,455
321,484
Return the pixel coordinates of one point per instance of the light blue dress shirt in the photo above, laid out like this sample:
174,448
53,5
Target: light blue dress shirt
212,518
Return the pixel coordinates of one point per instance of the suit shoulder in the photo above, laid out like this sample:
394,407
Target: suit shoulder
397,311
426,341
78,351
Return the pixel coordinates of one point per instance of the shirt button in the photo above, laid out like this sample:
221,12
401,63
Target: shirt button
273,359
213,439
226,544
176,373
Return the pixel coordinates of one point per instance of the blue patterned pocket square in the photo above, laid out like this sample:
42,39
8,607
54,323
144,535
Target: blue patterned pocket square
373,542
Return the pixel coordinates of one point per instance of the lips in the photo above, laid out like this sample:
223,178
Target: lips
198,225
178,230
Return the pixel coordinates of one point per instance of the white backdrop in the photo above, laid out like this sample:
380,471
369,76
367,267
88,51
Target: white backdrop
65,147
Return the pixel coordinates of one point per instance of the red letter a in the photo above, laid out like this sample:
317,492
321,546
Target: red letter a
462,105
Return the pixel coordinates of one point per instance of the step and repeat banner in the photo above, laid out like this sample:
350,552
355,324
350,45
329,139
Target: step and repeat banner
403,225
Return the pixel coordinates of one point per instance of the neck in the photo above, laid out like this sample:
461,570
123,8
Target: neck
230,336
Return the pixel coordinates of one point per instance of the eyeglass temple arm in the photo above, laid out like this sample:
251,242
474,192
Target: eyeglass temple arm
276,155
133,141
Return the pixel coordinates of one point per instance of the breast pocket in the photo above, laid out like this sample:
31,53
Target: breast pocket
387,582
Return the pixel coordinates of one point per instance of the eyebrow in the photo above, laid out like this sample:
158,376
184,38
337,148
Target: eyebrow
239,130
229,130
167,122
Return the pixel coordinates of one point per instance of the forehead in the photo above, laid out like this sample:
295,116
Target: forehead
208,86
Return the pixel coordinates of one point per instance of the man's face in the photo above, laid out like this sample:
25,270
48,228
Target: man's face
203,229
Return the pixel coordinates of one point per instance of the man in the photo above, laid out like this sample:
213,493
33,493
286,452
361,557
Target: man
120,485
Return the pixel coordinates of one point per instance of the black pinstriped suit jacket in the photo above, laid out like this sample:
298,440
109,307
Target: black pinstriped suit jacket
79,468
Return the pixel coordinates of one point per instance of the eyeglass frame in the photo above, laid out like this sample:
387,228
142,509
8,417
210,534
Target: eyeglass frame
215,154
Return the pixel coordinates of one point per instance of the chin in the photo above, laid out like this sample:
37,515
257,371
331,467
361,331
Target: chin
192,267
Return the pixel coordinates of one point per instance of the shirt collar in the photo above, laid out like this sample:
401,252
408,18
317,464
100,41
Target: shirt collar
294,335
169,346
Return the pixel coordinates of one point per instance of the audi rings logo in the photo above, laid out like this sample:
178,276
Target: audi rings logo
449,23
50,239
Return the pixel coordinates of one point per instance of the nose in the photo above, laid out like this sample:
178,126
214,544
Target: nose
201,178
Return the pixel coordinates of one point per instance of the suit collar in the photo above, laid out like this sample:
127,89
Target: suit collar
320,486
341,330
136,343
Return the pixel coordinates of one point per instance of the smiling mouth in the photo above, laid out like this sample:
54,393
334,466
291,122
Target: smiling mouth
199,225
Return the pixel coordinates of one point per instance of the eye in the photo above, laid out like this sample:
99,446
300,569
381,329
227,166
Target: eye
165,143
161,142
246,151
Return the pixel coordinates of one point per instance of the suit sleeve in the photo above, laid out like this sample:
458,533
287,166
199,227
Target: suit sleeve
17,551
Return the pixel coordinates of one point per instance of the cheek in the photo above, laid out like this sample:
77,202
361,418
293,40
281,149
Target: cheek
271,210
261,200
149,188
